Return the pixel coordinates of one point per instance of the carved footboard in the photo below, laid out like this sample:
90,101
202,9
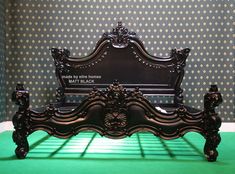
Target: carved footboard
117,113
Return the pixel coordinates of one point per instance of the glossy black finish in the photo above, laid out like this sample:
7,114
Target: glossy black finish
121,109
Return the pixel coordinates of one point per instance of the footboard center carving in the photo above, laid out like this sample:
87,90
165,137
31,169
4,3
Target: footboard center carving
115,118
115,121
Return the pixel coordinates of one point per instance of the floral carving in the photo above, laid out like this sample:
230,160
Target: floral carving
119,36
60,56
115,119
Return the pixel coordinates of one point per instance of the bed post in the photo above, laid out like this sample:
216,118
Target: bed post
212,123
20,121
181,56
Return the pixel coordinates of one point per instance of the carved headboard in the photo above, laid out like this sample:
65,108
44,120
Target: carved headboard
120,55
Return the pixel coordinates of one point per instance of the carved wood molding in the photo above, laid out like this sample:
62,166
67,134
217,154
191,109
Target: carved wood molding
119,113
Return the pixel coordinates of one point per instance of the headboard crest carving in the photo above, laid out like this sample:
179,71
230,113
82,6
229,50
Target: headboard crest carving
119,36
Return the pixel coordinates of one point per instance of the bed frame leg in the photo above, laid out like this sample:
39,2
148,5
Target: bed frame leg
212,123
21,141
21,121
212,141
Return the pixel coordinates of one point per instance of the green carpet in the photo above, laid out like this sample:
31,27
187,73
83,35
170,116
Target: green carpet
141,153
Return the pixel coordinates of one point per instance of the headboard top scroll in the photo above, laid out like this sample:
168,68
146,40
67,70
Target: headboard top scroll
119,36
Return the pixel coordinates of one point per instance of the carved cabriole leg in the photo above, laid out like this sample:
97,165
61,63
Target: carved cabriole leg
21,121
20,134
212,123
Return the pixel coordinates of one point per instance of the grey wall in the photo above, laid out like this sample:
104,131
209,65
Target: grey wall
2,62
202,25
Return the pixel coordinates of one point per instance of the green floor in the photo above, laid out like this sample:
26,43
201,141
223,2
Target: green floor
141,153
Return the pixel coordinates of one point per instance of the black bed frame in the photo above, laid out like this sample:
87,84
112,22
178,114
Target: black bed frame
116,78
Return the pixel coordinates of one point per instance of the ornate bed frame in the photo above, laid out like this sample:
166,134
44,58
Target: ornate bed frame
114,109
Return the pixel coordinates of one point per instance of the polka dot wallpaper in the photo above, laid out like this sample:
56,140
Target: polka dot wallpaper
2,62
205,26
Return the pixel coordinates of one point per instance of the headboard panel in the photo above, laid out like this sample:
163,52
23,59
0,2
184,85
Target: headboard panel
120,55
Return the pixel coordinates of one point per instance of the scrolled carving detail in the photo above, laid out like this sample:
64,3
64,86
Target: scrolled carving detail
212,99
115,118
20,138
50,111
21,121
95,93
211,144
136,93
116,95
212,123
115,121
181,111
120,36
180,55
21,97
60,56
